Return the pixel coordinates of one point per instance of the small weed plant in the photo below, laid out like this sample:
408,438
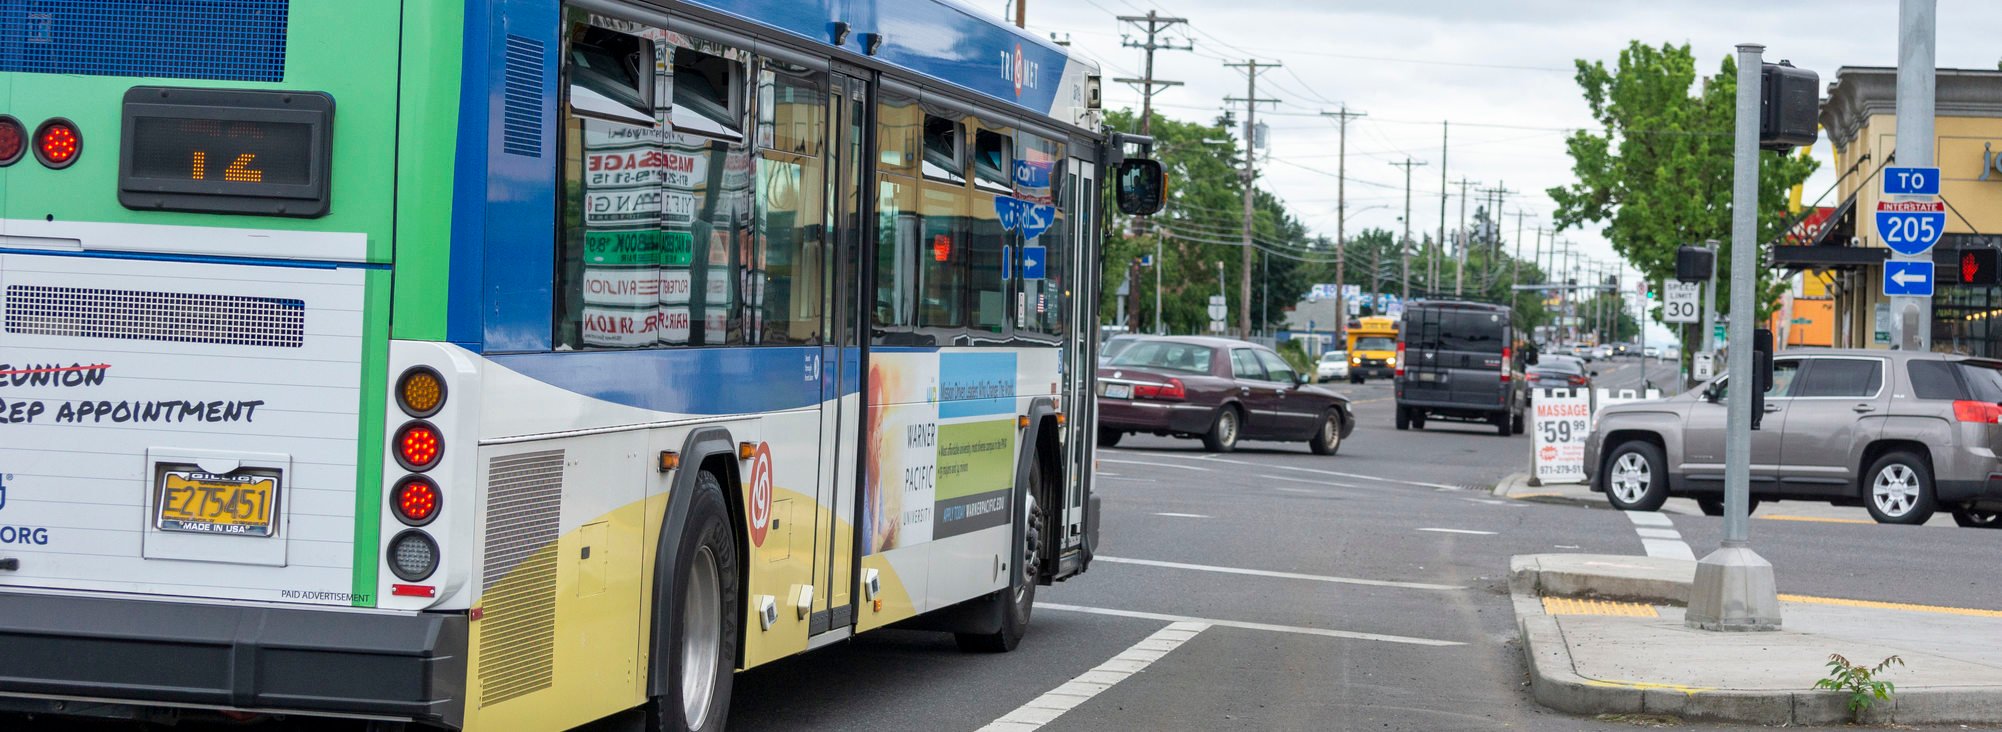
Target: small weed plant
1861,682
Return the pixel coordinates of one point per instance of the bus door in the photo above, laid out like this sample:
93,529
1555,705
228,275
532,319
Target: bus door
842,356
1080,198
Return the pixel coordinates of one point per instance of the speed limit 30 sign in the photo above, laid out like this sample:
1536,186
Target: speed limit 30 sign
1679,302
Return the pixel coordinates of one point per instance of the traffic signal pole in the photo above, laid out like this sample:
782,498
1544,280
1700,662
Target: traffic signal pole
1734,588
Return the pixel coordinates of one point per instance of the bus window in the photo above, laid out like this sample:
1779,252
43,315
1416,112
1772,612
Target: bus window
942,257
707,97
987,241
1039,169
782,286
611,75
992,161
941,154
900,124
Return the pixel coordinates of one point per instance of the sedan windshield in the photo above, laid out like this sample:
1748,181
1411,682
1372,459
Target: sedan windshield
1168,356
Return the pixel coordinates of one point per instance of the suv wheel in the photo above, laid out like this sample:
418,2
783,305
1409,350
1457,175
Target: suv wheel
1898,489
1516,423
1403,419
1503,423
1635,477
1974,519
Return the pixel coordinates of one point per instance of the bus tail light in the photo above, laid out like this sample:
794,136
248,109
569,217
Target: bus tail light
13,140
420,391
1172,391
416,500
1979,412
418,446
413,556
57,143
1398,360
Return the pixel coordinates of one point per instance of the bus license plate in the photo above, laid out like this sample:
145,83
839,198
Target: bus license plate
239,503
1119,391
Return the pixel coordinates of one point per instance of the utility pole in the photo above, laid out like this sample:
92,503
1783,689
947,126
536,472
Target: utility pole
1341,212
1404,248
1515,262
1021,13
1251,101
1153,24
1460,244
1432,262
1911,317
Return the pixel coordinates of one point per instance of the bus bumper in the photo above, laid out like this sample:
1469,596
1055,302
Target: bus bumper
151,653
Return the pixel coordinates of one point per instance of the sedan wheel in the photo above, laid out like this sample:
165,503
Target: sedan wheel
1328,439
1900,490
1222,436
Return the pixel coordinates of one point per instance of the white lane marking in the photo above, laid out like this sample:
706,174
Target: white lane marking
1053,703
1300,490
1461,531
1493,502
1658,535
1668,548
1281,575
1648,518
1308,482
1323,632
1154,465
1124,478
1171,514
1317,471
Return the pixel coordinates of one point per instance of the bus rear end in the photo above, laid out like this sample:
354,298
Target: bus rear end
195,273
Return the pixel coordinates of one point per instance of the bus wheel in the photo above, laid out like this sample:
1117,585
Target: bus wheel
702,651
1019,599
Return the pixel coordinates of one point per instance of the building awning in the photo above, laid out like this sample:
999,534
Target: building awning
1828,246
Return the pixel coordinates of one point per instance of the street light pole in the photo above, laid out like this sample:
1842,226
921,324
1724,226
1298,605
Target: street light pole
1734,587
1911,316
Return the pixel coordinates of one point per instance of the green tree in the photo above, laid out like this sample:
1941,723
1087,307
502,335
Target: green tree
1659,175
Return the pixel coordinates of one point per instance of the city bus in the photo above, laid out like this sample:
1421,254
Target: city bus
515,365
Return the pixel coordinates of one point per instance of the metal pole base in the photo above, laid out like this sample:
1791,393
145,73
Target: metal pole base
1734,590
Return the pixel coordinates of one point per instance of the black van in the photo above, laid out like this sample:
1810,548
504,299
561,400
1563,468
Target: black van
1459,360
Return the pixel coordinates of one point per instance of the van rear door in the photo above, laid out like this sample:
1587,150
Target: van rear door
1455,356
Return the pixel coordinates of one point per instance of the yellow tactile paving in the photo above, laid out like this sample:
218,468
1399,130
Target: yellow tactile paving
1814,519
1874,604
1576,606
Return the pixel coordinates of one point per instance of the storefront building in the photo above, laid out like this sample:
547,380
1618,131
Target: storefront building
1859,117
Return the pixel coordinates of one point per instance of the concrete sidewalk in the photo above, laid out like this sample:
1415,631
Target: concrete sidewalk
1517,487
1627,652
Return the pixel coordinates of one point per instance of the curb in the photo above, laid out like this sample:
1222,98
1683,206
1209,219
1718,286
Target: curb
1517,487
1555,682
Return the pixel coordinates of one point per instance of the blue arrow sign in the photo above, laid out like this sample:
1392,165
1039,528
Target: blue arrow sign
1911,181
1911,227
1032,263
1912,278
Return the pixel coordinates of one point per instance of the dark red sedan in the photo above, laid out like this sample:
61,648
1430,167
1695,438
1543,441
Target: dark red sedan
1219,390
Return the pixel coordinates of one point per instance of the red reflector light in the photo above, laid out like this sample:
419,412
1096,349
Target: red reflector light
418,446
57,143
13,140
1982,412
413,590
416,500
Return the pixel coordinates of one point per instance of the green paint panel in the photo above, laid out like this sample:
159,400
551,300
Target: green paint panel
368,461
975,458
348,50
426,134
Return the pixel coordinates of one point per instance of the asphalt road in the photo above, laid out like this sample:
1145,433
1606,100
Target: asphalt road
1271,588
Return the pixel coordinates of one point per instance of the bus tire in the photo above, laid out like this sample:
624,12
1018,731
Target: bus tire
702,646
1018,601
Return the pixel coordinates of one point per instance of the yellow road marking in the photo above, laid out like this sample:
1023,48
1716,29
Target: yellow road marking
1644,685
1520,496
1874,604
1814,519
1575,606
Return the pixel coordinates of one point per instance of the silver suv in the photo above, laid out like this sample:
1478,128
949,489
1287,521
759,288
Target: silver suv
1903,434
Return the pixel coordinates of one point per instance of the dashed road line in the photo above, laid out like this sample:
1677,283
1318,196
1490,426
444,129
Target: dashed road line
1317,471
1308,482
1171,514
1323,632
1280,575
1460,531
1053,703
1154,465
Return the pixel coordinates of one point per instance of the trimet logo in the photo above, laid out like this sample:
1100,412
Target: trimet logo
1019,69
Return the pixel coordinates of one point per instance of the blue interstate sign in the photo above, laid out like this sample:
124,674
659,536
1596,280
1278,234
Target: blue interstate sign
1912,278
1911,227
1911,181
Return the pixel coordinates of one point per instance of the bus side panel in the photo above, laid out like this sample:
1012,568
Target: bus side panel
426,131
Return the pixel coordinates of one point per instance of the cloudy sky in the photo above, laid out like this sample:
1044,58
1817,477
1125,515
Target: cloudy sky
1499,70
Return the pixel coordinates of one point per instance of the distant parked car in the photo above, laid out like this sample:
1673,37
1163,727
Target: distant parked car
1334,365
1903,433
1219,390
1651,352
1559,373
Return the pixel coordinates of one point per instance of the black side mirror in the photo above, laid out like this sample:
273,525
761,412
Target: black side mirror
1141,186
